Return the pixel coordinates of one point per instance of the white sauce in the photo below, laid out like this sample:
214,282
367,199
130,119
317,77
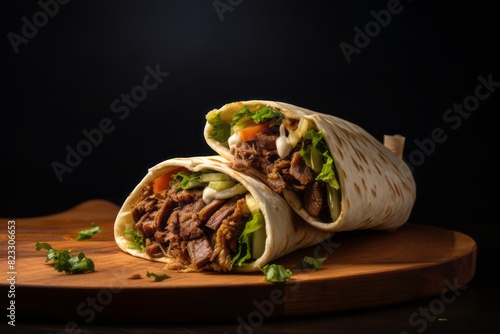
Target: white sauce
208,194
234,140
282,143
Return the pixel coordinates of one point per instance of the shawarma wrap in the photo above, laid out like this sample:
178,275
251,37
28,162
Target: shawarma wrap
197,214
332,172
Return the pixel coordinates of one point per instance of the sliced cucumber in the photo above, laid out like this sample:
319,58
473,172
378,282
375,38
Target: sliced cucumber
243,123
237,189
296,135
208,177
258,242
221,185
333,202
252,204
304,126
316,160
194,183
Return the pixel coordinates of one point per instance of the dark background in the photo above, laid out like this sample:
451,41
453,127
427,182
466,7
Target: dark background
64,79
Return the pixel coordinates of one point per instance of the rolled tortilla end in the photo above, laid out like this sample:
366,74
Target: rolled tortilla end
395,143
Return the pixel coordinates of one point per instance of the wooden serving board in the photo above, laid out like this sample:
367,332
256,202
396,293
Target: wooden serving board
363,269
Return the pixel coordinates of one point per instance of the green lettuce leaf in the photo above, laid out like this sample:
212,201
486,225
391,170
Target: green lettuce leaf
327,173
245,241
189,179
276,273
89,233
138,242
221,129
262,115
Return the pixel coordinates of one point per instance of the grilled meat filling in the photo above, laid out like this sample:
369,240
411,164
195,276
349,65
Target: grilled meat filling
192,235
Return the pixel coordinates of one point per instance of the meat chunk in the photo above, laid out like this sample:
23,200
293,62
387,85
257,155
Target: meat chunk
314,198
154,250
266,145
164,212
209,209
243,154
190,229
200,251
299,169
216,220
227,237
148,228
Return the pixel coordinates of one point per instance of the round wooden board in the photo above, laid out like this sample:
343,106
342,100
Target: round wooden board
362,269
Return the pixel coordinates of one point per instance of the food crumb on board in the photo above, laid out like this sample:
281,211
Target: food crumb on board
134,276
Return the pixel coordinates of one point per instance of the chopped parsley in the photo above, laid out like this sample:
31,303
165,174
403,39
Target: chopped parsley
64,261
276,273
156,277
89,233
262,115
310,263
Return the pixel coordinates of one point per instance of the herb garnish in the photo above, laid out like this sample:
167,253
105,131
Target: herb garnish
64,261
157,278
276,273
89,233
310,263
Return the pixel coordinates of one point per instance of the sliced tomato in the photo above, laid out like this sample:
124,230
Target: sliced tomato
248,134
163,182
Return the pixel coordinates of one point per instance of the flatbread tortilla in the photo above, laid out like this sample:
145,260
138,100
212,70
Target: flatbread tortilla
376,187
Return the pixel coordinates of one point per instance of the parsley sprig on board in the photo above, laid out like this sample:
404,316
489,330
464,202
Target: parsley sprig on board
89,233
277,273
64,261
156,277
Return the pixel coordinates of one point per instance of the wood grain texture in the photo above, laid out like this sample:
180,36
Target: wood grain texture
363,269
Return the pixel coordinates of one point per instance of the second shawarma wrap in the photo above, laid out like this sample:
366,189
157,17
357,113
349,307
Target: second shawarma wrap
197,214
332,172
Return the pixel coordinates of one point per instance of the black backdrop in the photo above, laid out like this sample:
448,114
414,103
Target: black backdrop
67,68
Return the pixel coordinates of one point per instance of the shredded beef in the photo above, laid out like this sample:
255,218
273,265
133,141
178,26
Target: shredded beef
208,210
190,229
163,213
266,145
216,219
227,237
154,250
299,170
160,236
179,225
184,197
276,181
148,227
173,226
313,198
177,252
200,251
190,211
143,207
288,172
244,154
